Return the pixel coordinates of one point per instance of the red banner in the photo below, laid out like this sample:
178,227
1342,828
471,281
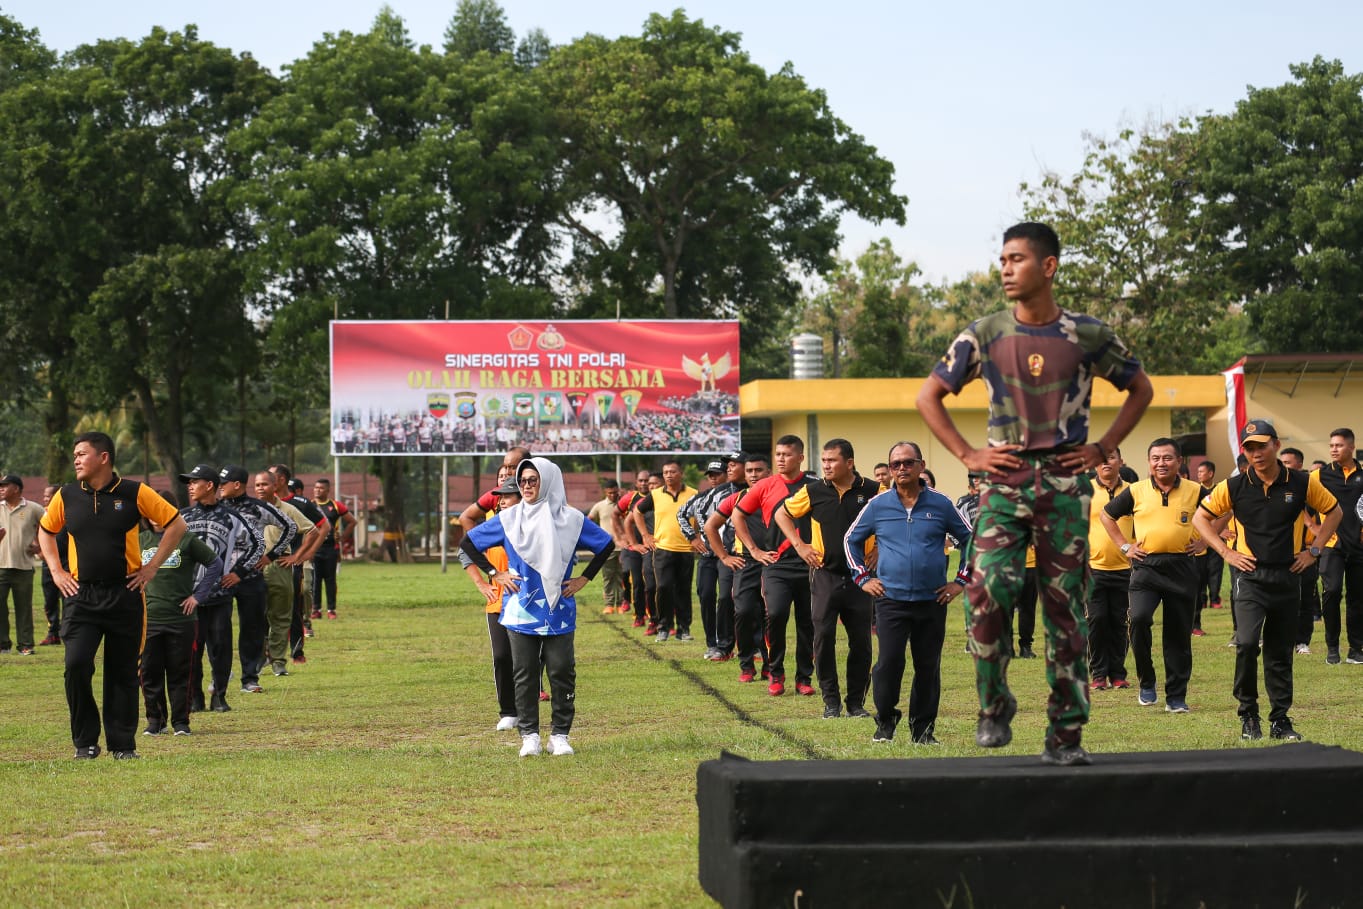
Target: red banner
584,387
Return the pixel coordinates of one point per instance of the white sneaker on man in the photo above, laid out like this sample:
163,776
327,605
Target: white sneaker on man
558,745
506,724
530,744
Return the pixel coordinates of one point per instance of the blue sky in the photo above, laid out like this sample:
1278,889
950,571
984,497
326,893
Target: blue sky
967,99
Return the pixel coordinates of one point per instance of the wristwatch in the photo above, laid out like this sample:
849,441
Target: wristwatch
1315,552
1126,547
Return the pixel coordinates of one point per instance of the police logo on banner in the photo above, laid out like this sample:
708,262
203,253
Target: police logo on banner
438,404
465,405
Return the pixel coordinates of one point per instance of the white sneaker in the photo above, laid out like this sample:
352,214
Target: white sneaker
1304,649
506,724
530,744
558,745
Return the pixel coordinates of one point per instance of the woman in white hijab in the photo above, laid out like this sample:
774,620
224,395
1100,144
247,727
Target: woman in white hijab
541,536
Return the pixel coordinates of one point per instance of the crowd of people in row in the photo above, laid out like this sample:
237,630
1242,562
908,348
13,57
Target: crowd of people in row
125,567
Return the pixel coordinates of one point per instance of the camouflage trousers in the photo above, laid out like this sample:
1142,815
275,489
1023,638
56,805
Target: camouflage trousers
1039,504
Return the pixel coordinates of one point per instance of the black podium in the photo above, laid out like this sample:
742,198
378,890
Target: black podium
1277,828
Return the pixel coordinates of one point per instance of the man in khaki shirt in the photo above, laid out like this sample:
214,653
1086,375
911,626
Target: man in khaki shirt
18,545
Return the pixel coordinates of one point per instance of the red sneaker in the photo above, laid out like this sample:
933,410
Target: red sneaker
317,613
722,657
651,630
544,695
300,659
747,675
766,674
1120,683
622,608
1099,684
1198,632
1216,602
331,613
777,686
804,688
50,639
638,623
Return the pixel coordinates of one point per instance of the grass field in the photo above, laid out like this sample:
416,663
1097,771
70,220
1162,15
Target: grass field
373,775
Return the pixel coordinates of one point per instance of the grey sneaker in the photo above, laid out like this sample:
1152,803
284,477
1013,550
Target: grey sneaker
88,753
127,756
280,668
684,636
662,636
1332,656
251,688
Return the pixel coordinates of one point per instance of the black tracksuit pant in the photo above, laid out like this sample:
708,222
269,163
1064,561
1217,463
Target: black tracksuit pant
555,653
166,657
1309,582
111,614
503,673
52,603
252,625
833,598
214,638
1169,578
749,616
707,592
785,589
919,626
324,578
673,570
1108,608
1341,572
724,607
1267,602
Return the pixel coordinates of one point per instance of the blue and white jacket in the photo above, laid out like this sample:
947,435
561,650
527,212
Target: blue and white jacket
912,563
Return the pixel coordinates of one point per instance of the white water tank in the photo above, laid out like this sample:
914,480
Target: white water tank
806,356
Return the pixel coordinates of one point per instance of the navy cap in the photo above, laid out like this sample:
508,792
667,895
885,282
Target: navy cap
201,472
233,472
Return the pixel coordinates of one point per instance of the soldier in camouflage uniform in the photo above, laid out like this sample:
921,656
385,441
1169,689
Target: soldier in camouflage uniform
1038,362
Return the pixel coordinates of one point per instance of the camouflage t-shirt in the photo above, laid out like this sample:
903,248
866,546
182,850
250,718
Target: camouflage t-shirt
1040,377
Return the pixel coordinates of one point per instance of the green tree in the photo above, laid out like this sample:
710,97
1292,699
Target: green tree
393,182
1129,236
1280,183
479,25
695,182
533,48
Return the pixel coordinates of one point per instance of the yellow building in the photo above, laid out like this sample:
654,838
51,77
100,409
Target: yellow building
873,414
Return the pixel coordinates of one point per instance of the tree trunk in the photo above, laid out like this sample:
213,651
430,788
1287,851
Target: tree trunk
57,422
391,475
162,426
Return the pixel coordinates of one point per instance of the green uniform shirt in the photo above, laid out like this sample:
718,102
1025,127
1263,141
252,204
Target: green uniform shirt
175,580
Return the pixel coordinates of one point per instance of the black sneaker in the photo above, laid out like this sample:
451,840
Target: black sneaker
154,727
1332,656
1250,730
1026,653
1355,657
926,738
995,731
182,730
88,753
1066,756
884,733
126,756
857,712
1283,731
831,711
219,703
196,704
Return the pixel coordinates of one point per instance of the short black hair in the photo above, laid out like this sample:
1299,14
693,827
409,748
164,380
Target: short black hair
1042,238
1211,465
792,442
609,483
882,464
325,481
754,457
1343,433
1291,451
842,446
1165,441
282,470
99,441
674,462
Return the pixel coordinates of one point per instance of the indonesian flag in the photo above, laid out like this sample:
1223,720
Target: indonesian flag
1235,403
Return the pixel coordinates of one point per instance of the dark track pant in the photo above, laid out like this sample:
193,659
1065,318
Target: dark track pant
300,604
632,566
1341,573
834,597
324,579
1169,578
786,590
1108,609
251,626
215,640
52,603
114,615
707,592
17,584
673,570
919,626
1309,583
650,586
555,652
749,616
1023,613
503,676
166,656
724,608
1267,601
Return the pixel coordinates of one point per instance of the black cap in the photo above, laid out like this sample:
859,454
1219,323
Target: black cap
738,456
233,472
296,485
1258,431
201,472
714,467
11,479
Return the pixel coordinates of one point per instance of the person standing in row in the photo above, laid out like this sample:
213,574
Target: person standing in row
103,589
910,524
714,579
1341,563
673,563
1269,501
1109,602
632,550
52,597
721,533
832,506
785,576
1162,551
1039,362
541,536
241,548
327,560
188,577
503,677
1308,612
18,545
1210,565
603,514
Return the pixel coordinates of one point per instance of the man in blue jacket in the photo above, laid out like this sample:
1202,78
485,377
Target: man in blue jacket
910,523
